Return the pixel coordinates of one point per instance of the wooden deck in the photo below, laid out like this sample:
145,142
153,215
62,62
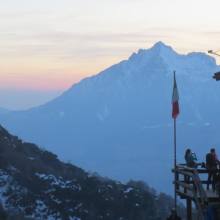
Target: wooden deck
191,184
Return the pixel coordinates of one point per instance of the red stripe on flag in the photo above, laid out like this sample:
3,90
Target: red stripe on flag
175,111
175,98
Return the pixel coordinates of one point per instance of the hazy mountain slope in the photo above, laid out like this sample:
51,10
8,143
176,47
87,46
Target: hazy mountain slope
119,122
3,110
34,184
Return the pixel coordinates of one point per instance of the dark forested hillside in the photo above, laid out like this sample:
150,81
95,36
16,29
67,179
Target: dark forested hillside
34,184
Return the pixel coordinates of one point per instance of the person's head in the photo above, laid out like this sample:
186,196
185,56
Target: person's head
188,151
212,150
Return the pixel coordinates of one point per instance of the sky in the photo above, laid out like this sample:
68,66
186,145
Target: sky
48,45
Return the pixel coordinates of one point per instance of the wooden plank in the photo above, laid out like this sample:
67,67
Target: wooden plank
185,195
199,170
204,182
210,194
185,185
186,173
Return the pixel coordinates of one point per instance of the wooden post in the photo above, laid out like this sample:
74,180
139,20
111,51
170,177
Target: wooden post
189,209
185,181
177,179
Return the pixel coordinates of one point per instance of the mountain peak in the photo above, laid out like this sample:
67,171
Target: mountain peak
161,47
158,49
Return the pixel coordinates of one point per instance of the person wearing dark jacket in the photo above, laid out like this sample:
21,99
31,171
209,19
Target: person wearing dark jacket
190,159
212,163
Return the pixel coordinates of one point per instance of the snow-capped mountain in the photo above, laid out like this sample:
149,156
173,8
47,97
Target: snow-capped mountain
119,123
35,185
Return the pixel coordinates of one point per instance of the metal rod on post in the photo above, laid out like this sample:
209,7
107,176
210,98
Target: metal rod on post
175,177
175,113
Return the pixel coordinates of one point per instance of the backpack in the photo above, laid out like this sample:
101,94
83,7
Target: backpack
210,161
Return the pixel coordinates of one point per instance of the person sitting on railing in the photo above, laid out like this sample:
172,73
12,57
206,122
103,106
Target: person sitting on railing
212,163
190,158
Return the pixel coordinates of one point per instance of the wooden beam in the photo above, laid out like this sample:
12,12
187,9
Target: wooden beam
185,185
184,195
189,209
185,173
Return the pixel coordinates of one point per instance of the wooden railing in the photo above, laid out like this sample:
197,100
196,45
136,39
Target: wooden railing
189,186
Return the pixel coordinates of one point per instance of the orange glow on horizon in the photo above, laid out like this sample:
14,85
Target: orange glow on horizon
42,82
49,74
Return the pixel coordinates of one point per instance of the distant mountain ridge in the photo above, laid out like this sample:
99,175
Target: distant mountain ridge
34,184
118,122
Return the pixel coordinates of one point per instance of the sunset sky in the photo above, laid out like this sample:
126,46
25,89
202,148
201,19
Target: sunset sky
47,45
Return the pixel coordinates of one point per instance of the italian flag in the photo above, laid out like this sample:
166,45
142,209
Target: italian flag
175,99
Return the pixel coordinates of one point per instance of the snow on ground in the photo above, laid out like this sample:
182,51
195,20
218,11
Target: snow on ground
4,179
59,181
